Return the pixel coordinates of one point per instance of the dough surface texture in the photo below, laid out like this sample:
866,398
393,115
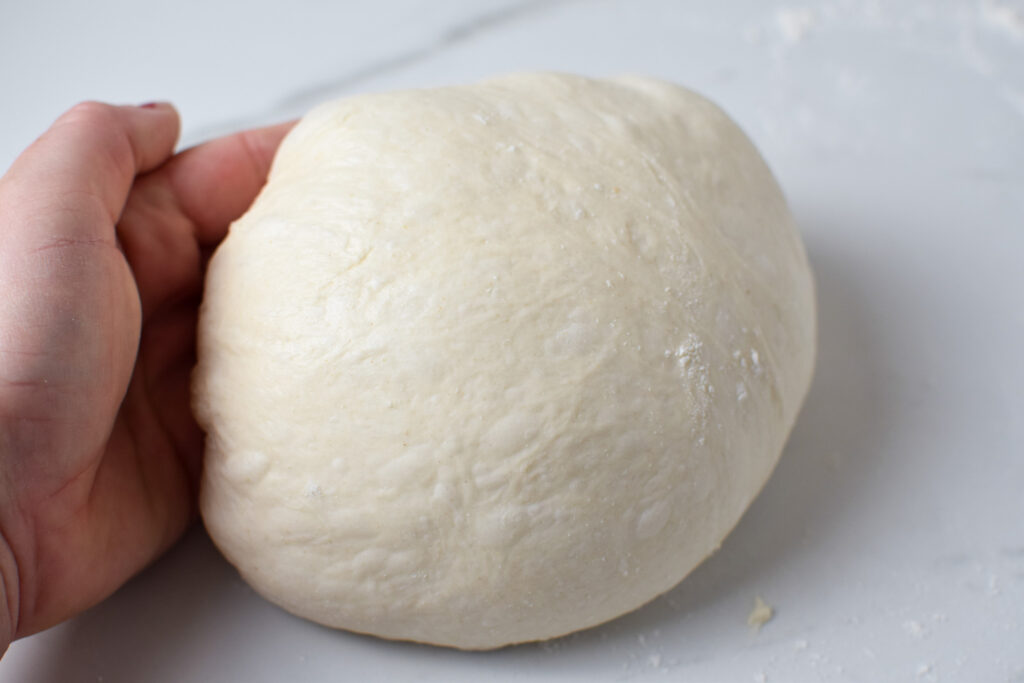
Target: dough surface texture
493,363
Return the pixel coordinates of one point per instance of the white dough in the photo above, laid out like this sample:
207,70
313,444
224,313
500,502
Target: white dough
493,363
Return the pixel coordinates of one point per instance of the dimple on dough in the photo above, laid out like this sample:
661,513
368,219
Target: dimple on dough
493,363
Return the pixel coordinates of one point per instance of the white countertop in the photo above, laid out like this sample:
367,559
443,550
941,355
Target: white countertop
890,539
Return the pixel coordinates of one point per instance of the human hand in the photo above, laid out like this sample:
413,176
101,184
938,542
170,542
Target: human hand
103,241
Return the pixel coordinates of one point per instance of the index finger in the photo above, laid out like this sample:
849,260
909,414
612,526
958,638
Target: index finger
84,165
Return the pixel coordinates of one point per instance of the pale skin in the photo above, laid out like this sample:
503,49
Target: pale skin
104,235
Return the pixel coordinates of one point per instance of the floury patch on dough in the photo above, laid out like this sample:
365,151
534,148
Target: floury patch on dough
494,363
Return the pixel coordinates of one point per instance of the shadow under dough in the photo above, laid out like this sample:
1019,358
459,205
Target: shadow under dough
157,617
825,471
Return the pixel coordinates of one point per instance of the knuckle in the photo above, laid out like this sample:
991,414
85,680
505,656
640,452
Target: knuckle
92,112
104,127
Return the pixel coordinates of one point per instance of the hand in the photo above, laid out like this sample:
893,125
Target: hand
104,236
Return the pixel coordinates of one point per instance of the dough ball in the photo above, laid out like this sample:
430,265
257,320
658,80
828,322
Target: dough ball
493,363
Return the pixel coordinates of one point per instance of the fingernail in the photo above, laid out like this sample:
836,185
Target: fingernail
149,105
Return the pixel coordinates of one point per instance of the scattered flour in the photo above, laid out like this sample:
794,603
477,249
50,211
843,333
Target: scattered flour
915,628
926,671
1002,17
794,23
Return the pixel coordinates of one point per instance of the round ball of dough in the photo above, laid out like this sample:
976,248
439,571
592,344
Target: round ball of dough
493,363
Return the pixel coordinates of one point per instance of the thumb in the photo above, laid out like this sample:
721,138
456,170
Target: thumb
82,169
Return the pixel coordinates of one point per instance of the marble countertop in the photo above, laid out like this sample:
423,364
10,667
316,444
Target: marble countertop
890,540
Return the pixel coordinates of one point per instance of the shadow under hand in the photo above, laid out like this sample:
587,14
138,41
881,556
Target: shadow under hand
156,622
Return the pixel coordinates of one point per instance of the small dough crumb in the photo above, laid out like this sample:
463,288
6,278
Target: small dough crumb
761,614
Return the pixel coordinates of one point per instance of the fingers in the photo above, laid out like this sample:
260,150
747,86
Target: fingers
85,163
216,182
180,210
